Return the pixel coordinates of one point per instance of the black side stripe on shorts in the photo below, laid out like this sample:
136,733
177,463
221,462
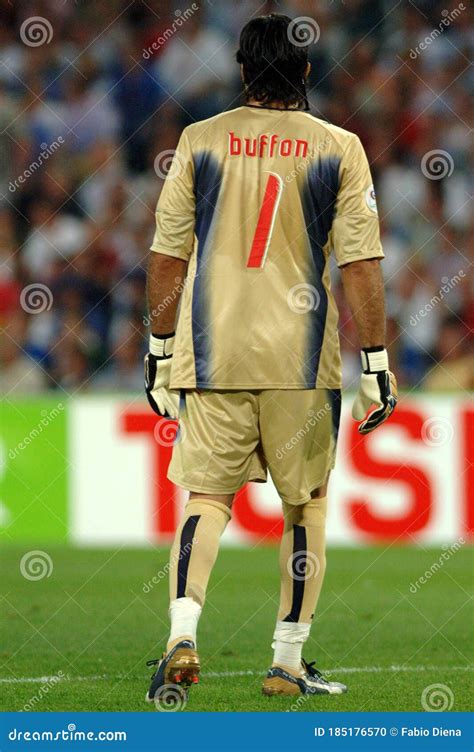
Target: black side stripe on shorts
298,572
185,548
335,400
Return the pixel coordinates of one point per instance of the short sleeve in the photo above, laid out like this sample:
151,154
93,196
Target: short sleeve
175,211
355,233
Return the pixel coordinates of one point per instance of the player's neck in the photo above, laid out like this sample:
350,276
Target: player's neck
271,105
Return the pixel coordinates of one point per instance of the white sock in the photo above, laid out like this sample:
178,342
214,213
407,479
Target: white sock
184,615
288,641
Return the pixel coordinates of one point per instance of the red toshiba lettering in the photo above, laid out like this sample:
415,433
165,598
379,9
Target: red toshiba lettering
263,528
467,472
418,487
163,490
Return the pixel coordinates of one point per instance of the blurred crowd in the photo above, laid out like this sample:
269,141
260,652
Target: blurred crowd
91,111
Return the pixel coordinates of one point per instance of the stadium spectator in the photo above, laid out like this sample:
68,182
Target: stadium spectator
20,374
81,222
454,370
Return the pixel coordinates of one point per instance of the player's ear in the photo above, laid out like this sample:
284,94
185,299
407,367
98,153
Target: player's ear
242,73
308,70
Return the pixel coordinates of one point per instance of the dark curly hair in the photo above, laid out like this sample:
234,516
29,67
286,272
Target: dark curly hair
274,68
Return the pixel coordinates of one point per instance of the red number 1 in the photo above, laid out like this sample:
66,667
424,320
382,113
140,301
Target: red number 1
266,220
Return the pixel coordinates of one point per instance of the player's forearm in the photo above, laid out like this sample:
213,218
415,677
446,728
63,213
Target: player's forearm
165,279
364,292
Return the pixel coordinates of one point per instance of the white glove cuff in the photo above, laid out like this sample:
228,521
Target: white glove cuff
162,347
374,361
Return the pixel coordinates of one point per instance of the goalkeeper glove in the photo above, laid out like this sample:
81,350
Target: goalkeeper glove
163,400
378,389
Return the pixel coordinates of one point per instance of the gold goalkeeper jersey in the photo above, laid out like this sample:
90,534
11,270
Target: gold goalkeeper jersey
256,200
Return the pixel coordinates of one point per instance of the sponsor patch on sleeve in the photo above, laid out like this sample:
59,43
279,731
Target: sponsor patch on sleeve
370,199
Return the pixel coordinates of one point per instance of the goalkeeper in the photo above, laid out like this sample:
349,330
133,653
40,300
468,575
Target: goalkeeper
256,202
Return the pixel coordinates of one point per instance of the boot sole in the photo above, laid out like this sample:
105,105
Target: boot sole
184,669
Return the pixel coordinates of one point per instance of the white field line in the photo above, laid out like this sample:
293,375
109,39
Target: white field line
249,672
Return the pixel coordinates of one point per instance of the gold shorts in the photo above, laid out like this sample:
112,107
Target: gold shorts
227,438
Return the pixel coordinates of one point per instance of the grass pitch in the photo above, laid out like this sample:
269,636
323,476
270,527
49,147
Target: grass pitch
89,627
